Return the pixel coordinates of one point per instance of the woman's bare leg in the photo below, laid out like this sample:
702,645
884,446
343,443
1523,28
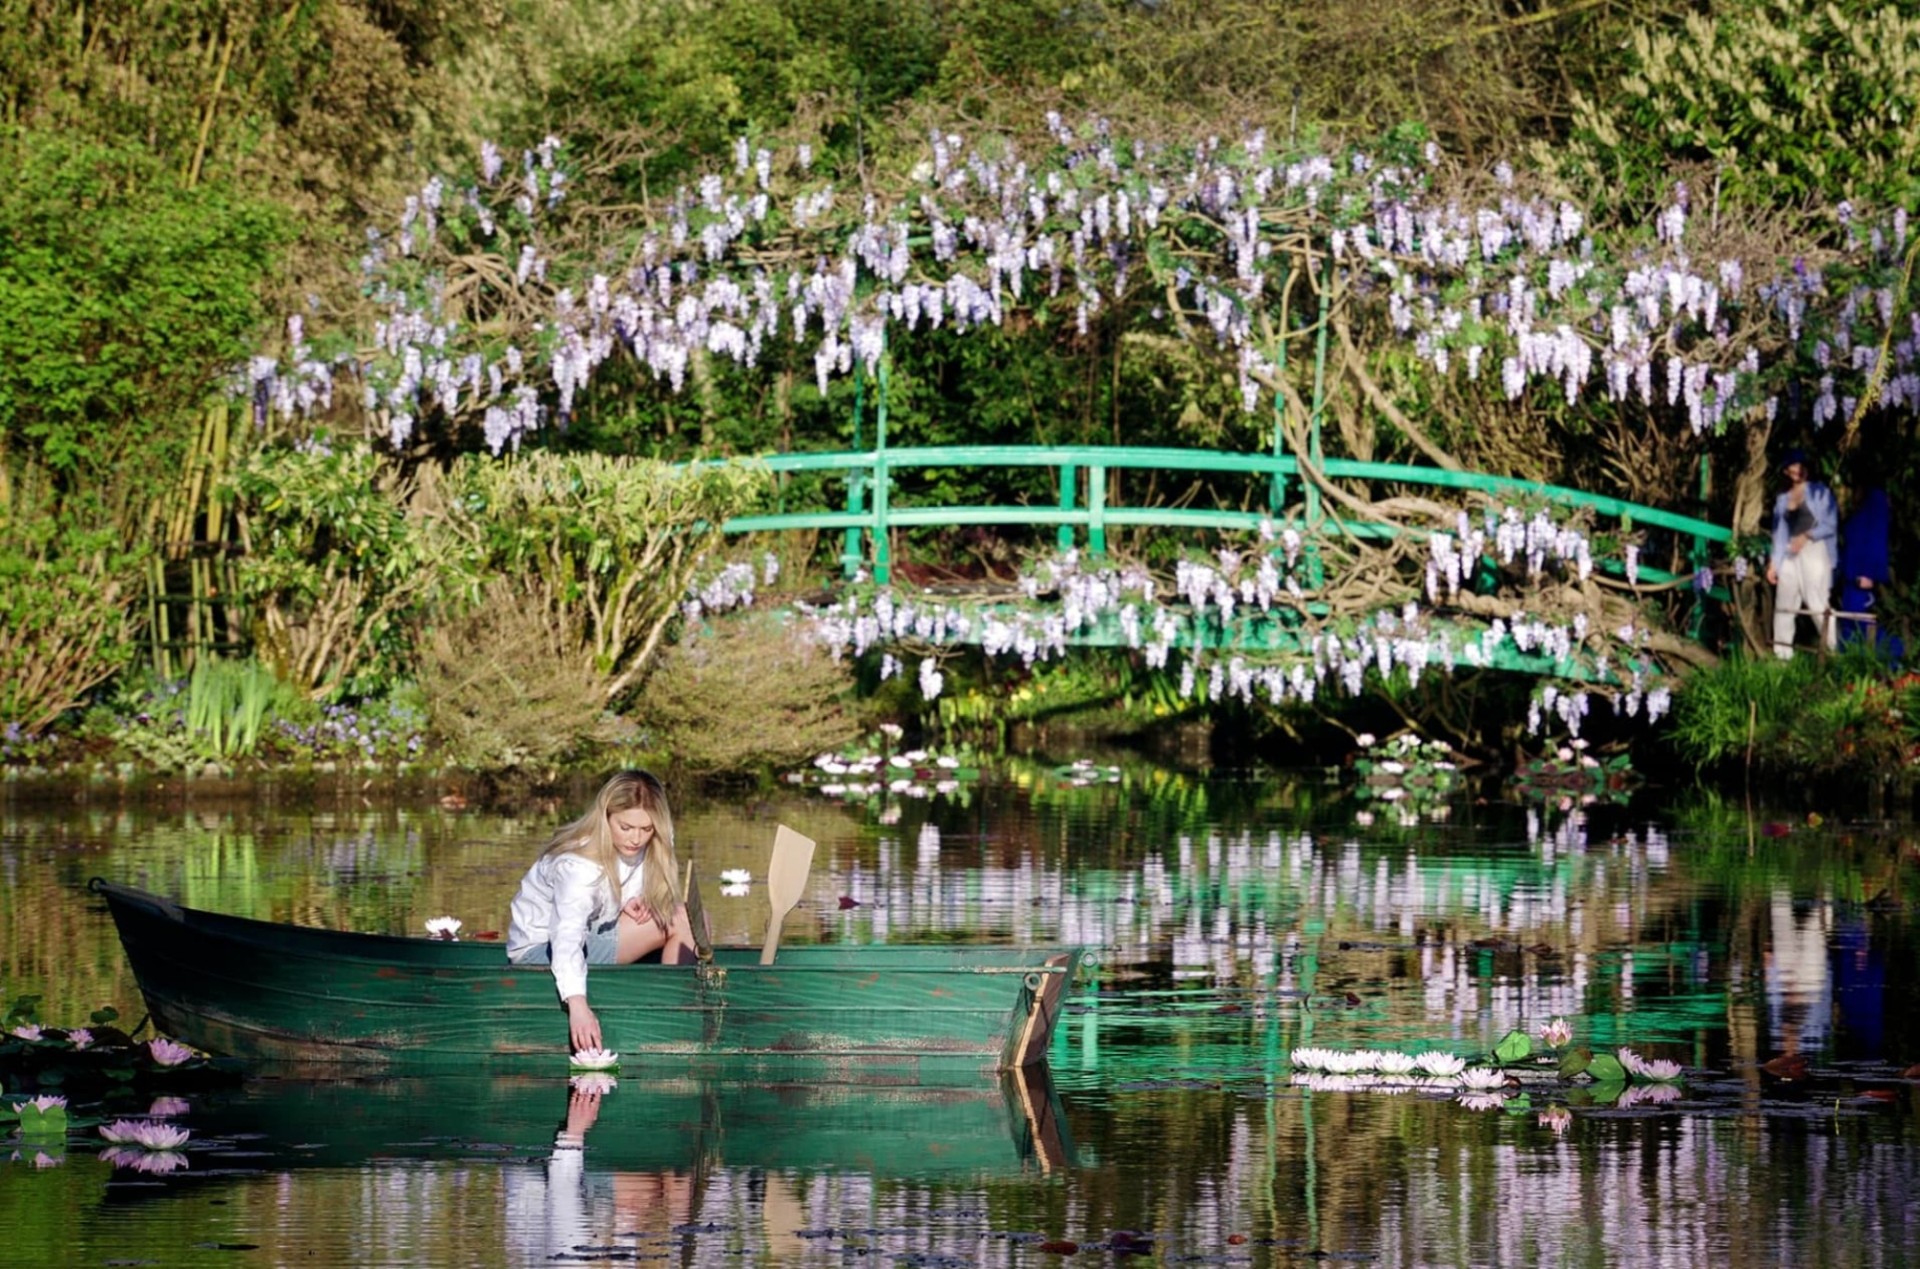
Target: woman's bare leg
680,948
637,938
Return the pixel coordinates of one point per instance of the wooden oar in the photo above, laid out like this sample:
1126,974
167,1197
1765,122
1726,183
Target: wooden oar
697,918
786,879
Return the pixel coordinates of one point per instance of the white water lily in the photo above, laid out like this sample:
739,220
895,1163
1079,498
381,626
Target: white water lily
1482,1078
1660,1070
598,1083
444,927
594,1060
1437,1063
735,877
1394,1062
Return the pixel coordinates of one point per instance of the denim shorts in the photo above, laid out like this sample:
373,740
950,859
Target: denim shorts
603,946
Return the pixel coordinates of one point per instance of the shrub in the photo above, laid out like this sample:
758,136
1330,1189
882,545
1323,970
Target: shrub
746,691
505,685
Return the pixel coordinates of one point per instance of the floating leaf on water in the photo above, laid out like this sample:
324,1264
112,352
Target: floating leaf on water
1574,1062
1514,1046
1605,1068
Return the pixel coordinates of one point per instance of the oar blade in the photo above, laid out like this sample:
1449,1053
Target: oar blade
786,882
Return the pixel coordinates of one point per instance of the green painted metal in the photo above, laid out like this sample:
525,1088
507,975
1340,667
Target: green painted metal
263,991
1068,474
1104,458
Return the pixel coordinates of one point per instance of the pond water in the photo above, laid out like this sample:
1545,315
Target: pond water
1236,919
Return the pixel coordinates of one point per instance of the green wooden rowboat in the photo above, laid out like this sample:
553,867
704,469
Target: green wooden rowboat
264,991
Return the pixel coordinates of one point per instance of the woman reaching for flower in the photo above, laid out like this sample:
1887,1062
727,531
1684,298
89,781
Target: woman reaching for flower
602,892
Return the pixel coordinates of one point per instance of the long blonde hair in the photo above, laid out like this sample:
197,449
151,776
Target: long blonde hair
592,836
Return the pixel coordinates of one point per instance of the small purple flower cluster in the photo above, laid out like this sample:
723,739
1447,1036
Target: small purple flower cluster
386,732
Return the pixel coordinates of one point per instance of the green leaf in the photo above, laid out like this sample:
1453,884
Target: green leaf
1514,1046
1606,1069
1606,1093
1519,1104
35,1122
1574,1062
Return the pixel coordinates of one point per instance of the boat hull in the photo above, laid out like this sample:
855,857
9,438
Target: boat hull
258,990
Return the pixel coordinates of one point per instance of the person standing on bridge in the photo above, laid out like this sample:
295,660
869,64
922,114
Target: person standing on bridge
1806,520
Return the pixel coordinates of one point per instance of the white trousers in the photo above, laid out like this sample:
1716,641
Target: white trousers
1806,581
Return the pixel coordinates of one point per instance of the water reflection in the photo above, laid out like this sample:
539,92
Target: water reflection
1237,920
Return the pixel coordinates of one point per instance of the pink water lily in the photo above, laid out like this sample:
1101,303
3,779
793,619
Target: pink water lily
166,1106
80,1038
169,1052
1660,1070
144,1133
154,1162
41,1159
26,1031
46,1102
1556,1034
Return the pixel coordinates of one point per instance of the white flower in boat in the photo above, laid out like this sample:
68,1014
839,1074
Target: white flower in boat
1482,1101
80,1038
26,1031
168,1052
1556,1034
1482,1078
1444,1064
1394,1062
732,890
597,1083
594,1060
735,877
144,1133
46,1102
163,1107
443,927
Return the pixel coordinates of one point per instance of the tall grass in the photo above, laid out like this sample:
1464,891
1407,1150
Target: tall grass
228,704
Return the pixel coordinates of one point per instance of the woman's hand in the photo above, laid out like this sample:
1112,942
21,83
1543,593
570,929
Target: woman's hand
583,1027
637,910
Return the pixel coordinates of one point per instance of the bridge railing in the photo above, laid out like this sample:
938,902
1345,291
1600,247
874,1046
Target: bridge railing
1081,488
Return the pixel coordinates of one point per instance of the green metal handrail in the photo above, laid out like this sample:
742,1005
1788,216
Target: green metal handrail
873,470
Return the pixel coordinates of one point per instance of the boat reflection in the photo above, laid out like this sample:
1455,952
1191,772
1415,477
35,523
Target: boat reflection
642,1123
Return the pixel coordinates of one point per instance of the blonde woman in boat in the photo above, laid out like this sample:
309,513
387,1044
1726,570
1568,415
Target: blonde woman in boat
604,891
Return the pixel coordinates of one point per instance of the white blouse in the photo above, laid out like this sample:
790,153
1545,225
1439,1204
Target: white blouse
561,900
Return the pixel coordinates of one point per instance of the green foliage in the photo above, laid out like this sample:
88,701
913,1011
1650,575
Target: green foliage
335,563
1514,1046
1790,102
1811,715
605,546
66,579
124,299
228,702
746,691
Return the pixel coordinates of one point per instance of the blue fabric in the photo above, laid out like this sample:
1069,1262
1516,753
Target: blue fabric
1863,553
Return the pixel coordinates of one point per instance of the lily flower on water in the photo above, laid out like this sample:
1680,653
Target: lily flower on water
168,1052
144,1133
80,1038
1556,1034
444,927
1436,1063
1482,1078
735,877
594,1060
26,1031
1482,1101
46,1102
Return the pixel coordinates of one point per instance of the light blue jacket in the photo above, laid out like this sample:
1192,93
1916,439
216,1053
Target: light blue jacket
1826,520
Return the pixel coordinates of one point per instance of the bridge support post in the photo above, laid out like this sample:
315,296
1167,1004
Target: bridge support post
1069,477
1096,510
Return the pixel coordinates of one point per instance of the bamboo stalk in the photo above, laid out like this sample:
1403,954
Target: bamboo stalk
206,121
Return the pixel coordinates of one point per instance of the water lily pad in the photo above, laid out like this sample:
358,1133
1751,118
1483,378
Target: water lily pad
1514,1046
1604,1068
